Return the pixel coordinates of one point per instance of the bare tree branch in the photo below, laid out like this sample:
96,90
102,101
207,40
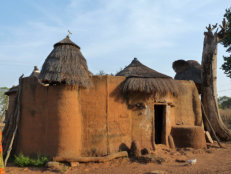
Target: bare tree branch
214,26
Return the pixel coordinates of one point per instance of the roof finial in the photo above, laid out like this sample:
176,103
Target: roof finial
69,33
36,68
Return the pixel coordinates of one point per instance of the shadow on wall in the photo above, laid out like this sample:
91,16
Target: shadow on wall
118,94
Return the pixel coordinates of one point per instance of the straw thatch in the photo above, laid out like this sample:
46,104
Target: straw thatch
141,78
137,69
187,70
65,65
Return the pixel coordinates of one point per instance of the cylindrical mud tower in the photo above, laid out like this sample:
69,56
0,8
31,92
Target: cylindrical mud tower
64,111
51,120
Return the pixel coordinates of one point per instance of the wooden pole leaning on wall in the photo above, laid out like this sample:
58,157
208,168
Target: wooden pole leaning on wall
210,125
13,127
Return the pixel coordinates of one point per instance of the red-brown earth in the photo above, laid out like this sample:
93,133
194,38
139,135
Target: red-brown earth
210,160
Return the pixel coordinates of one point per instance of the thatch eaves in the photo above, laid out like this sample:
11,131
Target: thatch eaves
141,78
65,65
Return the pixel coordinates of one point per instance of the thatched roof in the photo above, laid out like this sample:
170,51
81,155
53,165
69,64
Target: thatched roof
137,69
65,65
187,70
12,90
141,78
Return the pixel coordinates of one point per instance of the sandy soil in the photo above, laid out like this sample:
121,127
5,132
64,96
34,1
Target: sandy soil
210,160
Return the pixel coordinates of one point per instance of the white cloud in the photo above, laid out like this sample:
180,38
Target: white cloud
113,31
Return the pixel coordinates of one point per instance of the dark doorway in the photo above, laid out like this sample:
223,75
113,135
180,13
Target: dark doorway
159,111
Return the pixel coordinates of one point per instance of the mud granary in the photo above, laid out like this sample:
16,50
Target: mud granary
67,112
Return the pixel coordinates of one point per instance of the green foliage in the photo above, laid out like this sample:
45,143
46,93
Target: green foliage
226,66
3,100
227,44
224,102
64,169
23,161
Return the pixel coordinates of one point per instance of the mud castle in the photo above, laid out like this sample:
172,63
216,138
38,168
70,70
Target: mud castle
66,111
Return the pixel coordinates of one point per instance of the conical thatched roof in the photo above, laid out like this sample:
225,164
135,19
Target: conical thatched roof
65,65
141,78
137,69
187,70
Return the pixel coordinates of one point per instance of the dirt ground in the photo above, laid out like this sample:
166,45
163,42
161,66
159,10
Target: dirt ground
210,160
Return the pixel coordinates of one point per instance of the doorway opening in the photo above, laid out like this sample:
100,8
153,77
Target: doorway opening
159,118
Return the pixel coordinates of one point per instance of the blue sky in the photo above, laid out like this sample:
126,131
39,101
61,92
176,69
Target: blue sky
110,33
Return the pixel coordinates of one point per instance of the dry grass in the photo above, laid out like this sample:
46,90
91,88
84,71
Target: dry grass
226,117
141,78
157,86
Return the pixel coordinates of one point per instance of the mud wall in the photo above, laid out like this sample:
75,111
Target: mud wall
50,122
93,108
66,122
111,122
119,117
188,105
106,118
143,119
189,136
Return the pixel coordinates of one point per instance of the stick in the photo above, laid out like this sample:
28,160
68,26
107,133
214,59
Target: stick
210,125
18,109
92,159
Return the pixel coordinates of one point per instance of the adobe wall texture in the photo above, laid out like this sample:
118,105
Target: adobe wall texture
106,118
189,136
188,105
143,120
66,122
50,120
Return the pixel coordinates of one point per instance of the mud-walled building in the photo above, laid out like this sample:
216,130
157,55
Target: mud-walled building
68,112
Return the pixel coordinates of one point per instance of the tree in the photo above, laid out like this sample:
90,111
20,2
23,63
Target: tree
227,44
101,73
209,80
3,101
224,102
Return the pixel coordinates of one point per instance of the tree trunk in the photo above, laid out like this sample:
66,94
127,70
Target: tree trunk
209,86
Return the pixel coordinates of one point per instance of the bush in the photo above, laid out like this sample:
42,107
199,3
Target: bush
23,161
224,102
